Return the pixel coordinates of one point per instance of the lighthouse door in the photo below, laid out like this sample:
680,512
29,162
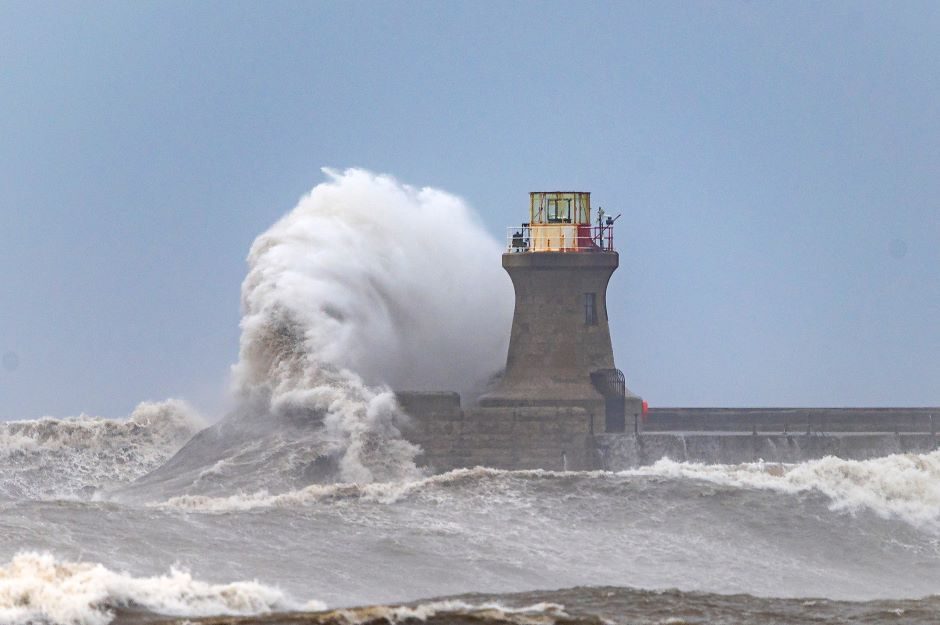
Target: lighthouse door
611,384
615,419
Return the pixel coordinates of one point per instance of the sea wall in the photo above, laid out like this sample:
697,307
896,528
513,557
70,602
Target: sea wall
793,420
557,438
616,452
502,437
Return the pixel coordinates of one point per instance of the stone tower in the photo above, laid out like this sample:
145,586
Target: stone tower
560,351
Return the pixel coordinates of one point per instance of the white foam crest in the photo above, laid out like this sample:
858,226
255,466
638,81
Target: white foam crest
378,492
38,588
69,457
905,486
536,614
375,492
368,283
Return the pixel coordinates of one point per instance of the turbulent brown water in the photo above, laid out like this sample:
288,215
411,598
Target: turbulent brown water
597,606
745,543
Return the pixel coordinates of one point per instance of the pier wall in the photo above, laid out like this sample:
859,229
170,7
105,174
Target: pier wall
558,438
793,419
616,452
523,437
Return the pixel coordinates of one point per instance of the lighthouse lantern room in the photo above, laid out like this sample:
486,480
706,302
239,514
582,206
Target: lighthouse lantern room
561,221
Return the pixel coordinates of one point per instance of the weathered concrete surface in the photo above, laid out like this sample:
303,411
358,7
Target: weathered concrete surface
559,437
517,437
552,350
521,438
793,420
617,451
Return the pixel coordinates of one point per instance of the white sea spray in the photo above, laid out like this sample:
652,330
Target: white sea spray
38,588
366,285
75,456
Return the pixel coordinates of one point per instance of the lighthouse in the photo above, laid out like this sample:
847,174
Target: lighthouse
561,403
560,262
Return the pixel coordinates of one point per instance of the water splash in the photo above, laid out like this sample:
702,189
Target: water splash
905,486
368,283
74,457
38,588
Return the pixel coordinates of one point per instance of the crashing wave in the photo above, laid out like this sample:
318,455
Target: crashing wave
367,283
904,486
377,492
373,276
389,492
74,457
39,589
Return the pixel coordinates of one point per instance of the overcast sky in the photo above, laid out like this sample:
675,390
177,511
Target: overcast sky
777,165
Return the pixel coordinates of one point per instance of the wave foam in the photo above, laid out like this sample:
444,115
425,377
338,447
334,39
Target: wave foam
367,283
375,492
373,276
378,492
71,457
905,486
441,611
37,588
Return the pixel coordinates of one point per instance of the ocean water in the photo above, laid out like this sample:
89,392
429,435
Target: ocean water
84,540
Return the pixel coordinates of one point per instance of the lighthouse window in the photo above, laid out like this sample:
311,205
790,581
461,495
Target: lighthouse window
590,309
559,211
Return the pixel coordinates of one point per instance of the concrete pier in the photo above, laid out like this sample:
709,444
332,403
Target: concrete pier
793,420
618,452
565,437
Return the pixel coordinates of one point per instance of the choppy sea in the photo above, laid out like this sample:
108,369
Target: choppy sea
112,522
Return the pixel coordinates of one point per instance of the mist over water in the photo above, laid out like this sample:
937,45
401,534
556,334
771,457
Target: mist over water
305,495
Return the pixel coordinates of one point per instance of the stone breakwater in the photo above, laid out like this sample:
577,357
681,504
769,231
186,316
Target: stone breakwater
794,420
616,452
560,438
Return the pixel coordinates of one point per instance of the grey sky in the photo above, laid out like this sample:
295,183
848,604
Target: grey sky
777,164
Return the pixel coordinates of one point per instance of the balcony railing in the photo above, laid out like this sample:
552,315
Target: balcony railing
560,238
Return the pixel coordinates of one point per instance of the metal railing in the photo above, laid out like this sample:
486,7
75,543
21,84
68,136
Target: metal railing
560,238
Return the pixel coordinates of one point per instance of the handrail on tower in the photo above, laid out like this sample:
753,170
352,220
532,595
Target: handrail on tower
560,221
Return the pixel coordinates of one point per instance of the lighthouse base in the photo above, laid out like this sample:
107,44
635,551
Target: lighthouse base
505,437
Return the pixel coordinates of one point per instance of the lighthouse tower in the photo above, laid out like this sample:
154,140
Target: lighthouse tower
560,353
